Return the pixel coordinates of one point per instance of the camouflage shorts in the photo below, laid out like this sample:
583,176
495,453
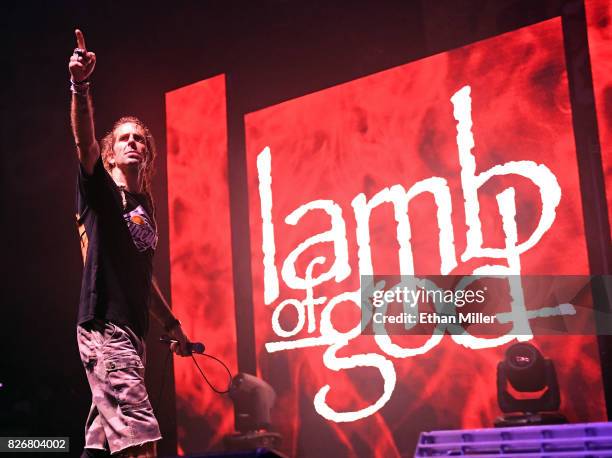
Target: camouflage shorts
121,415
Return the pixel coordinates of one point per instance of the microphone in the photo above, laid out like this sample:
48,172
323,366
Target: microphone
192,347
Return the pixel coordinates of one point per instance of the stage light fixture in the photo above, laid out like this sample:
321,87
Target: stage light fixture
253,401
527,384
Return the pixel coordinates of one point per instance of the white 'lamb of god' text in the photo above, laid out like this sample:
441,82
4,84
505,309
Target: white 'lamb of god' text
471,182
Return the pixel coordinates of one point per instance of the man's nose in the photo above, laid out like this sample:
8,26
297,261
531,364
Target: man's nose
131,140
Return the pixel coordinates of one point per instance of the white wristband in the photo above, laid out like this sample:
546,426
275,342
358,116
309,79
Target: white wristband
81,88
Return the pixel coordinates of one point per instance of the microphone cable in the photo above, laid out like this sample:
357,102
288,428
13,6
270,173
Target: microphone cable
212,387
229,374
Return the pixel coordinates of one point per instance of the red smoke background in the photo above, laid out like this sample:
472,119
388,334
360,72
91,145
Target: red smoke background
392,127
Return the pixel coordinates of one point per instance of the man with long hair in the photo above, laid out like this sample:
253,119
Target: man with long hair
116,220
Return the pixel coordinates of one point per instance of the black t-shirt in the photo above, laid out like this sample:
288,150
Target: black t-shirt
118,239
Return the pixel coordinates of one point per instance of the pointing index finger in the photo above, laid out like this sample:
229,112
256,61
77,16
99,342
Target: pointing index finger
80,39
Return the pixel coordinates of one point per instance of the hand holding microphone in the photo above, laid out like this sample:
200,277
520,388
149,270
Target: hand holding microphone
179,343
189,347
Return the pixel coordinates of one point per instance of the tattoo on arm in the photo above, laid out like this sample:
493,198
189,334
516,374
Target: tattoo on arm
81,116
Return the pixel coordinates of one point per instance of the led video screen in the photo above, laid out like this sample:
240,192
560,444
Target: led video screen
458,163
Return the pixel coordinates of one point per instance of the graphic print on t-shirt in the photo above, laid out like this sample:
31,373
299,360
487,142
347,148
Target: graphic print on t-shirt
142,231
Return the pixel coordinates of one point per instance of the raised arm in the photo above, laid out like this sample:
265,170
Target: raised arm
80,66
